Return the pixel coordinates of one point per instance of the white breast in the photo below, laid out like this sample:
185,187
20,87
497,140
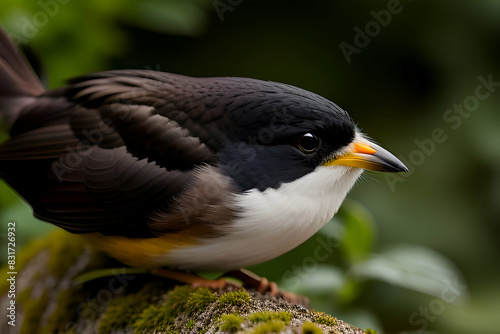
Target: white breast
272,222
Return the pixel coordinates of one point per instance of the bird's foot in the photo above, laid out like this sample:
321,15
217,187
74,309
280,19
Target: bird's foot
252,280
263,285
249,279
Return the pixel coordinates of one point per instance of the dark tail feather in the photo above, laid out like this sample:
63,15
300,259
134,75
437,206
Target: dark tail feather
18,83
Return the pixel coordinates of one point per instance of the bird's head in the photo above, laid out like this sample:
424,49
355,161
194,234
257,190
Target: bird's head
278,133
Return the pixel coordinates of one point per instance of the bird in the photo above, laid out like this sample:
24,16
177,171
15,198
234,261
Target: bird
162,170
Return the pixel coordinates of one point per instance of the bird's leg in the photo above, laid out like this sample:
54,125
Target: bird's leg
248,278
262,285
252,280
193,279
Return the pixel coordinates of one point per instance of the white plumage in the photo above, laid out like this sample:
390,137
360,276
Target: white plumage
271,222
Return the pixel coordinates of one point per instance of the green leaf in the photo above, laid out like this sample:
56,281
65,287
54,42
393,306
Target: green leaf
358,233
415,268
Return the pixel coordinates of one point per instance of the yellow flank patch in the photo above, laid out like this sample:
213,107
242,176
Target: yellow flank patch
141,252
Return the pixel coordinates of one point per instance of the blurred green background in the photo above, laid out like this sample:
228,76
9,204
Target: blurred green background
417,253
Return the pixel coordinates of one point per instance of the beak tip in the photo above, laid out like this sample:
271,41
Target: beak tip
402,169
396,166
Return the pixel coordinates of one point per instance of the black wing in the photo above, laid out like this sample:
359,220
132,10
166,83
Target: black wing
110,150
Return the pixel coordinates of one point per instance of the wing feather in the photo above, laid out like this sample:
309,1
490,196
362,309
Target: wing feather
112,150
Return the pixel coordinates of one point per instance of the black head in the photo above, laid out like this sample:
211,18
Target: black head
278,133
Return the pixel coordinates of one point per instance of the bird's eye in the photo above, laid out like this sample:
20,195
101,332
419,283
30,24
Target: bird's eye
308,143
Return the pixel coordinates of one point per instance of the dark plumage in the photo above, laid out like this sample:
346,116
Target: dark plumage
112,148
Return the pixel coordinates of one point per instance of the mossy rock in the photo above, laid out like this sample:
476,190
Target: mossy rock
127,300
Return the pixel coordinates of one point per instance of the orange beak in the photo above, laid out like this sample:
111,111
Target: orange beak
367,155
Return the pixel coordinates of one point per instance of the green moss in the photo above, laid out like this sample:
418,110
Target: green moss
124,311
370,331
272,322
267,316
310,328
153,318
199,300
236,298
232,323
273,326
121,312
325,319
190,324
182,298
178,297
